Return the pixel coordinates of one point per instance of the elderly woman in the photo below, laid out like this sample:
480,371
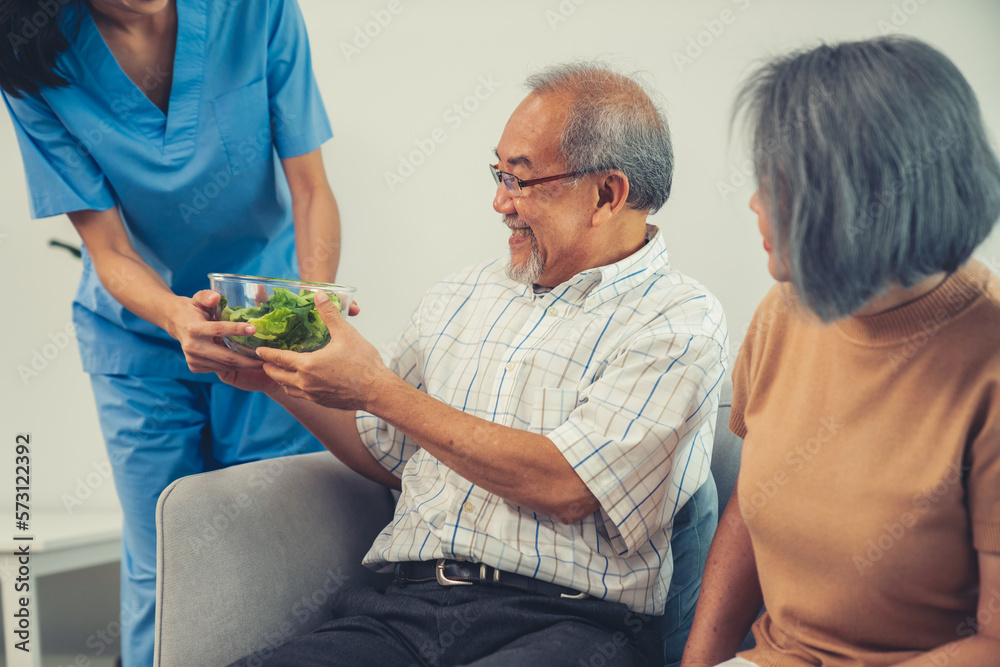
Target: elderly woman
867,512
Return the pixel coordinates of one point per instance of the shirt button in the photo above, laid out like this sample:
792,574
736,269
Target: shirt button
468,507
510,366
553,311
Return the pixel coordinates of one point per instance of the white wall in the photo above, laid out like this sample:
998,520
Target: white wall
392,91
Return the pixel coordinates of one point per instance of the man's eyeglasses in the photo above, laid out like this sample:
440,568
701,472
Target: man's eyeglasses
515,185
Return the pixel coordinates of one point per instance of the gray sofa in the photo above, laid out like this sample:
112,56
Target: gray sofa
248,556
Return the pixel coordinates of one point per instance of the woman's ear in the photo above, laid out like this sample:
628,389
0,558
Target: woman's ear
612,193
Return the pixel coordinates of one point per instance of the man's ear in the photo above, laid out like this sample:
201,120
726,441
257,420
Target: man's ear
612,193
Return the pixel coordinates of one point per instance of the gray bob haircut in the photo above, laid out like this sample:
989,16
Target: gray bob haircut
874,167
613,124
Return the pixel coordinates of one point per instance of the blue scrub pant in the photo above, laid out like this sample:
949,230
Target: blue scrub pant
158,430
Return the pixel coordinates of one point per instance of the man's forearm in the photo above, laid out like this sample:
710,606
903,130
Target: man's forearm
524,468
338,432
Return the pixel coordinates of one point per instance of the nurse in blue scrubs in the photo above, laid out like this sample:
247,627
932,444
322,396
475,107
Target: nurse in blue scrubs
181,137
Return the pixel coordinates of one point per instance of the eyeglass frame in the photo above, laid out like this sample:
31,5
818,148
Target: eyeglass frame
495,170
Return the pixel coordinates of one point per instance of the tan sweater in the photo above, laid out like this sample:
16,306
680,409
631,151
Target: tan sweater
871,472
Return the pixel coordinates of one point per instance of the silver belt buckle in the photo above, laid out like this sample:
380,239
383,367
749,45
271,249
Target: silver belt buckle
443,580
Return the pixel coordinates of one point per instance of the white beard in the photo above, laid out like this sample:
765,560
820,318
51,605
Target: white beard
530,271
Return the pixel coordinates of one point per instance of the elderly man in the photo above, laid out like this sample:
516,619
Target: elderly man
546,418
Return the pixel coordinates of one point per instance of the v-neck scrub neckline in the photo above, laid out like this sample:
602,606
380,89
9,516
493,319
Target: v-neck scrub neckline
175,131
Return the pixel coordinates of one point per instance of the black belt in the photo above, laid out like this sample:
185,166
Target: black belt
460,573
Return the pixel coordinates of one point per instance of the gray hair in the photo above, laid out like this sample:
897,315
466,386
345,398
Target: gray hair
613,123
874,167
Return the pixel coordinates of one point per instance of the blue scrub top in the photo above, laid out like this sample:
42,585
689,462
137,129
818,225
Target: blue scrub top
200,188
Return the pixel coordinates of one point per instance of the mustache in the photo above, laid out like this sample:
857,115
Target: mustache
513,221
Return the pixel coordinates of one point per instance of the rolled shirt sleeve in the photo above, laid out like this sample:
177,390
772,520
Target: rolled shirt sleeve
632,436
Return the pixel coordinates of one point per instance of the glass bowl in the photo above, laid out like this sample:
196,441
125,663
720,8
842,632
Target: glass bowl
283,311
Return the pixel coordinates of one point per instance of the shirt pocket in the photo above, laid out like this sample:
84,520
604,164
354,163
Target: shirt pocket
244,121
552,408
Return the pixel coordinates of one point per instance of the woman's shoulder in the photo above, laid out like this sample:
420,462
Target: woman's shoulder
973,301
779,309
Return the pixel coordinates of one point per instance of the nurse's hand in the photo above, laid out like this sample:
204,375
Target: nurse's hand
251,379
192,323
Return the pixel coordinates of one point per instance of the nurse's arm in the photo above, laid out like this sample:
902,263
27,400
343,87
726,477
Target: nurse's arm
316,217
141,290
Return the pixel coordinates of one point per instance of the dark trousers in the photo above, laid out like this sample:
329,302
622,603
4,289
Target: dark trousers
429,625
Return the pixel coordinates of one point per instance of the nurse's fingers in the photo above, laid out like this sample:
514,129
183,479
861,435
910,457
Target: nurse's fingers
213,358
285,378
223,329
206,299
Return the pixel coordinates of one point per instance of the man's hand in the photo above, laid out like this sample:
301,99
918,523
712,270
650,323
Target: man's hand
345,374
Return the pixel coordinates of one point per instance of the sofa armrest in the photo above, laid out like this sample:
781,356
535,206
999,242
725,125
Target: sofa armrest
247,556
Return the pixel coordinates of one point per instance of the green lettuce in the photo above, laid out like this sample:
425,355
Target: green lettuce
286,321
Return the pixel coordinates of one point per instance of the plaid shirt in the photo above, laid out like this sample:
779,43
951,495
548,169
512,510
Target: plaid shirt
620,367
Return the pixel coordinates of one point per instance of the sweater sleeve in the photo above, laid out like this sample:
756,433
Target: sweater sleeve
772,309
984,475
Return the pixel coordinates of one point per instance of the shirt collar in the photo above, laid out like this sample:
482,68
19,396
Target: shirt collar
604,283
